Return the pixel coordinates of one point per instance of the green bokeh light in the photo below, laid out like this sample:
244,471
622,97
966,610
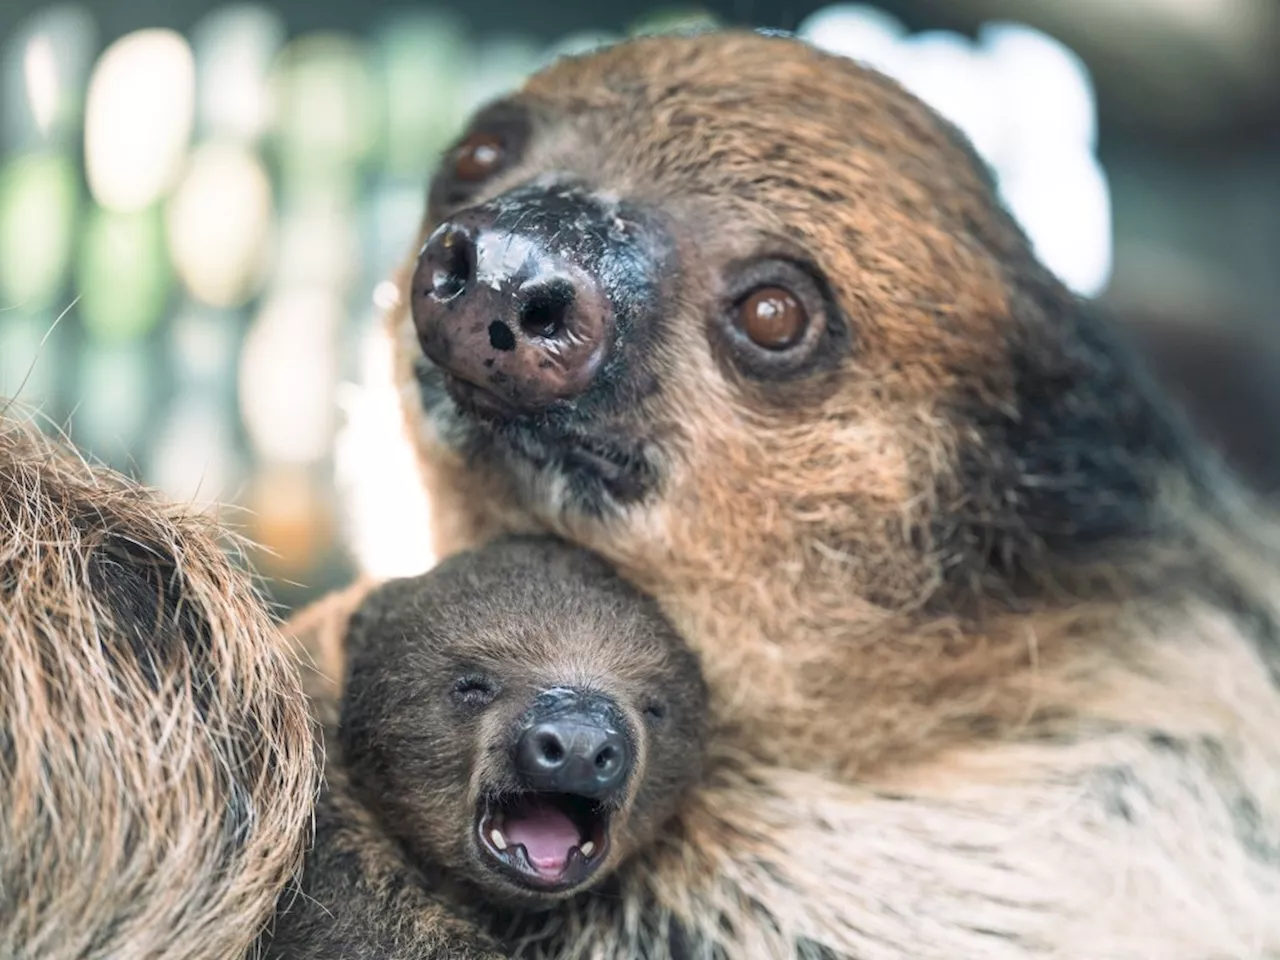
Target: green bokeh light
424,59
39,197
123,276
327,112
675,20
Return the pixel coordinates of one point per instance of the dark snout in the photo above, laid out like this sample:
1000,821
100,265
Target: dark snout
517,300
574,744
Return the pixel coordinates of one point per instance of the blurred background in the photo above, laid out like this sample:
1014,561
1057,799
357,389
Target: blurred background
200,204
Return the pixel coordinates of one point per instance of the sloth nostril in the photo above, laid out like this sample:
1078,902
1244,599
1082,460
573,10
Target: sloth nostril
551,748
452,259
501,338
606,758
545,309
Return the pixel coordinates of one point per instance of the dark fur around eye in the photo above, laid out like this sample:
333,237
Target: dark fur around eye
821,345
474,690
655,712
509,124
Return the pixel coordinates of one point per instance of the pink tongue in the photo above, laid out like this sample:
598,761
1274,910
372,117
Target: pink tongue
547,834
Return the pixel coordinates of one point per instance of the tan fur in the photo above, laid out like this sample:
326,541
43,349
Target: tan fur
156,771
1090,772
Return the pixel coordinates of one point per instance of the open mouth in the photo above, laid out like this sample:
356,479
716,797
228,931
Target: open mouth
544,841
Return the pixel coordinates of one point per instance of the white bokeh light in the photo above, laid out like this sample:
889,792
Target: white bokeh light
860,32
1043,87
387,511
1025,101
1064,205
288,371
219,223
138,118
957,79
40,71
43,66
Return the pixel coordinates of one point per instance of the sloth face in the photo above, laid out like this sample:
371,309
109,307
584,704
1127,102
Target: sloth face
642,245
520,718
727,289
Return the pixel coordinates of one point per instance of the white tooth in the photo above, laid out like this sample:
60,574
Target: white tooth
498,839
588,848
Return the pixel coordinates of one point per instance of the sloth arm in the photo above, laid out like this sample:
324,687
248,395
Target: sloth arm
358,898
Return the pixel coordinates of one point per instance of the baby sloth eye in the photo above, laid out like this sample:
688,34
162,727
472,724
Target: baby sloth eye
478,157
772,317
655,711
474,690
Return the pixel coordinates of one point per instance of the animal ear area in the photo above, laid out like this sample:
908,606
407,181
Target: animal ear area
1077,456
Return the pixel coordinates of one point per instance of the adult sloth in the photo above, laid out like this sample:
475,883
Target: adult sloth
992,643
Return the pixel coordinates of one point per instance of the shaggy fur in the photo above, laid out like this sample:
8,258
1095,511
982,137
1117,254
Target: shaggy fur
442,671
156,764
992,642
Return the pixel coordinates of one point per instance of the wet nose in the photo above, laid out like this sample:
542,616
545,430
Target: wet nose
573,754
520,323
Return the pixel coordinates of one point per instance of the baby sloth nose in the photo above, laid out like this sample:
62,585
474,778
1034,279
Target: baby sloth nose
508,300
574,753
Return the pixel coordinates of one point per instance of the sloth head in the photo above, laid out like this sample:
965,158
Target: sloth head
714,297
520,717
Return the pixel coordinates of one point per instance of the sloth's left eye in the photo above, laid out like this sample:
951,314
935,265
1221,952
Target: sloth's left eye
495,141
474,690
479,156
777,321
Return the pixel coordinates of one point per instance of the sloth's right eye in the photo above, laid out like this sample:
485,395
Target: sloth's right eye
474,690
772,317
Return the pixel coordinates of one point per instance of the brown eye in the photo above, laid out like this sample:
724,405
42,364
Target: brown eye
479,156
777,321
772,317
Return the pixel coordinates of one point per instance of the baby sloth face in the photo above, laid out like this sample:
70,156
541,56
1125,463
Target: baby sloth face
520,718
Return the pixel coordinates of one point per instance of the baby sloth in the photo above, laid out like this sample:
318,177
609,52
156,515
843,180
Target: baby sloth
514,724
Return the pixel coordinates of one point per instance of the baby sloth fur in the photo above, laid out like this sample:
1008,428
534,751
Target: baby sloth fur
156,759
515,724
991,640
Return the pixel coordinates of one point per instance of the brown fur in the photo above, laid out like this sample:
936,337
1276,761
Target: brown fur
395,870
156,766
990,638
